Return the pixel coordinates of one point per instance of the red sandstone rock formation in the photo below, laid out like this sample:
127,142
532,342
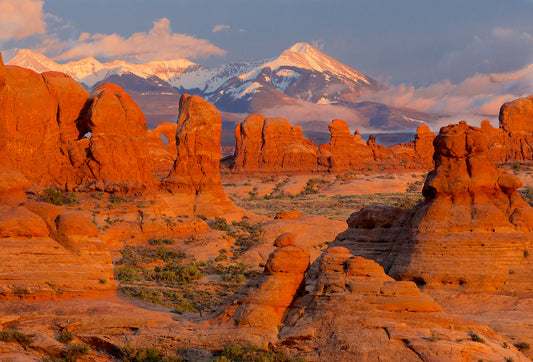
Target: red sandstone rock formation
196,168
43,120
117,149
271,144
343,152
48,252
349,310
472,219
162,148
195,174
256,311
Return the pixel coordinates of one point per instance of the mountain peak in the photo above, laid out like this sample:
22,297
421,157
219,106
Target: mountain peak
301,48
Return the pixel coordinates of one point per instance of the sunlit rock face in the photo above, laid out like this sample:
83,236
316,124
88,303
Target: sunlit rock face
472,228
55,132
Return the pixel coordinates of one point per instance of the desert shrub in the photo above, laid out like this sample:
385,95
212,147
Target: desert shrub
128,274
16,336
253,353
74,351
58,197
522,346
310,187
408,202
476,338
160,241
65,337
220,224
130,354
188,273
517,166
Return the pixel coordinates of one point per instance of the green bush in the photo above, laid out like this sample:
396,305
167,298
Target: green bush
65,337
15,336
58,197
74,351
128,274
476,338
253,353
220,224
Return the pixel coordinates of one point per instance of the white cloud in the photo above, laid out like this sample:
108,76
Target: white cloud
160,43
21,18
220,27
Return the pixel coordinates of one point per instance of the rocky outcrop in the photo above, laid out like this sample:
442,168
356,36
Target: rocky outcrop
345,308
343,151
117,147
195,176
196,168
472,219
48,252
271,144
257,311
54,132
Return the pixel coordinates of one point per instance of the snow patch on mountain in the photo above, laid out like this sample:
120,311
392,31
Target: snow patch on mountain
90,71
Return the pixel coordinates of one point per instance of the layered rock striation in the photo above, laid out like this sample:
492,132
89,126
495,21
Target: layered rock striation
49,252
472,230
344,307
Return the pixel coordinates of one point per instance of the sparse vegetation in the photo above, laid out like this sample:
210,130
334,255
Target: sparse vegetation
13,336
253,353
65,337
152,354
476,338
58,197
522,346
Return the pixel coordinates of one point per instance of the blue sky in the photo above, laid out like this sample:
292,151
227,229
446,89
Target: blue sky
415,42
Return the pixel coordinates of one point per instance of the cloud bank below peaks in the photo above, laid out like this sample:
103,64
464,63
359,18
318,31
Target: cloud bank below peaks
479,96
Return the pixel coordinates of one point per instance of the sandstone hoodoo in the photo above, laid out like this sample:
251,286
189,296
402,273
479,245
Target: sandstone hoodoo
258,310
270,145
196,168
117,148
472,219
195,174
343,151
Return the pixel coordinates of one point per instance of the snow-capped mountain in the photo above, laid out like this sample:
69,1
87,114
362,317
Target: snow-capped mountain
301,72
294,85
90,71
